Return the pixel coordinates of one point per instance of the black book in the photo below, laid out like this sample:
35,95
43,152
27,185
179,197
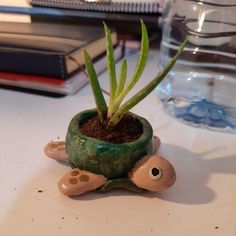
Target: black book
53,85
45,49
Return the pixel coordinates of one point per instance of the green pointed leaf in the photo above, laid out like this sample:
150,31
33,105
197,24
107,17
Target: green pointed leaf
120,86
110,63
122,78
142,60
97,92
146,90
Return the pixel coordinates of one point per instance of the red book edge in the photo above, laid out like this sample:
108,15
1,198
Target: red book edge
26,77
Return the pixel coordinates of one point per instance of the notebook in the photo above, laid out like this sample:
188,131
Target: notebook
48,49
133,6
55,85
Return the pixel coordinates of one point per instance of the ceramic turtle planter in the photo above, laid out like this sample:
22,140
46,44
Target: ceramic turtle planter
102,164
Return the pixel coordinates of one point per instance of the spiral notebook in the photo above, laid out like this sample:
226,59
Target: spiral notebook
133,6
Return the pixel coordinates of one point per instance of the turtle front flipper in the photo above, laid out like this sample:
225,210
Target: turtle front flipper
76,182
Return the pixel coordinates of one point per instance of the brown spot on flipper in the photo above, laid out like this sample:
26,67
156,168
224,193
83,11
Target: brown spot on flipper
56,151
73,181
84,181
84,178
74,172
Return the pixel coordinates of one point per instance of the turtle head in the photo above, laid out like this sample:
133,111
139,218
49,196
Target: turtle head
153,173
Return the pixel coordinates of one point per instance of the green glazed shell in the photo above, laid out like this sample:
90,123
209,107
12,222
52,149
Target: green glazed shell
109,159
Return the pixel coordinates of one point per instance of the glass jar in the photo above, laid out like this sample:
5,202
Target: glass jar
201,88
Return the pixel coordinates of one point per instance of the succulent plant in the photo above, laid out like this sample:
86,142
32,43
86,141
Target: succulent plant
110,115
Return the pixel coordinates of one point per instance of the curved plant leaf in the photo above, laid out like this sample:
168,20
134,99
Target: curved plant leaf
110,63
142,60
122,78
97,92
146,90
121,84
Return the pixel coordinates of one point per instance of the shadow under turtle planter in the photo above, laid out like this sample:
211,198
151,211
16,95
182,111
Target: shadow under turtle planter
103,166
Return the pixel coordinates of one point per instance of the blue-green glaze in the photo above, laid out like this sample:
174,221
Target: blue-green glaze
109,159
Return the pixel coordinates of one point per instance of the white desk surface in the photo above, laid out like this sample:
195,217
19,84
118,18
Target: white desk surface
202,202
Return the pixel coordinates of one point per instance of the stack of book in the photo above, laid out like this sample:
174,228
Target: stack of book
49,57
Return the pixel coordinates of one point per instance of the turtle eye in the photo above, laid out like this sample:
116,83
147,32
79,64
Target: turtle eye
155,173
